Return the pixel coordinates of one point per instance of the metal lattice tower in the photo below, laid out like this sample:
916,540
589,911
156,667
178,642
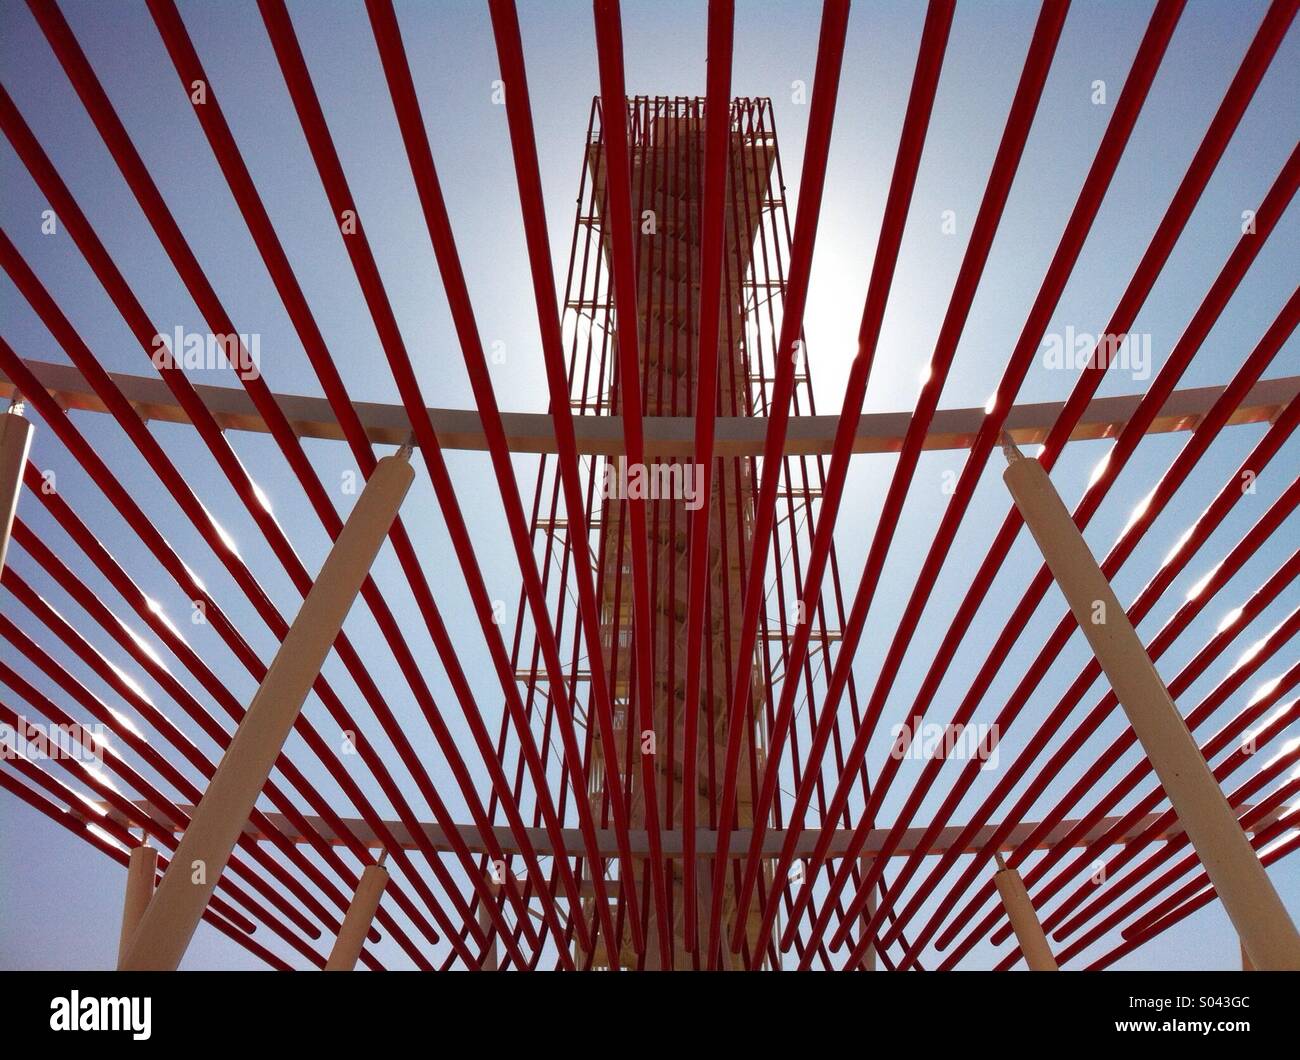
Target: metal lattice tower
667,166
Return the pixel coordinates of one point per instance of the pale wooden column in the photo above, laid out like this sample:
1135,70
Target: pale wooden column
486,926
221,815
15,442
140,873
1024,920
361,913
869,911
1248,895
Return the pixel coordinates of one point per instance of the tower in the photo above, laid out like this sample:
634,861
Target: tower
667,169
666,148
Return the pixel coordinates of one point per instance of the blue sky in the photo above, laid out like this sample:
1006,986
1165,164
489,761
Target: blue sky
44,872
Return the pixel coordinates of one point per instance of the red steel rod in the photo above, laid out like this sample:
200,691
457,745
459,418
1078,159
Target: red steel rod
125,504
1143,518
157,670
1208,312
213,122
1042,49
91,92
1121,885
405,101
1268,856
934,40
1155,918
523,142
1244,550
100,785
133,312
1200,441
1263,700
717,129
1264,650
150,613
1128,106
105,670
1161,246
609,50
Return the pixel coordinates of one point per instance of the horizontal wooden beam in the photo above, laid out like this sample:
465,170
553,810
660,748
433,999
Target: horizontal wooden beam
706,838
530,432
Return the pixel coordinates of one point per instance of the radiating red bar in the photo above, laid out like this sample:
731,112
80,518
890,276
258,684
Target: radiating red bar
1161,246
609,49
830,54
218,914
1207,313
405,102
518,112
1042,49
717,116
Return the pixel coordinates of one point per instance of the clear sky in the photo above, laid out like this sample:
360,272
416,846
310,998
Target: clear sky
60,900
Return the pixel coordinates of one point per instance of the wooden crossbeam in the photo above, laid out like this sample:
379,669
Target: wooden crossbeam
705,842
528,432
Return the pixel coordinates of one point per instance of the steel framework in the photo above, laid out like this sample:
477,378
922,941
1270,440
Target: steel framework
685,772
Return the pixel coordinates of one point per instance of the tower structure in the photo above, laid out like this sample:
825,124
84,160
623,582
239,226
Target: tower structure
666,144
470,883
667,168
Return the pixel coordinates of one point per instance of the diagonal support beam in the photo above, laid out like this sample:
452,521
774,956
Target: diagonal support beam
1024,920
15,443
356,922
169,922
141,870
1247,893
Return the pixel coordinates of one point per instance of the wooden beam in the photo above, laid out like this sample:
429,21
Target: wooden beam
356,923
1211,823
15,443
706,838
216,822
527,432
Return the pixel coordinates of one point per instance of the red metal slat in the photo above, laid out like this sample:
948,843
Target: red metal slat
1033,78
222,920
143,606
164,806
609,48
1268,856
157,671
1211,307
1206,430
125,504
1198,174
78,69
717,133
405,102
307,105
830,55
